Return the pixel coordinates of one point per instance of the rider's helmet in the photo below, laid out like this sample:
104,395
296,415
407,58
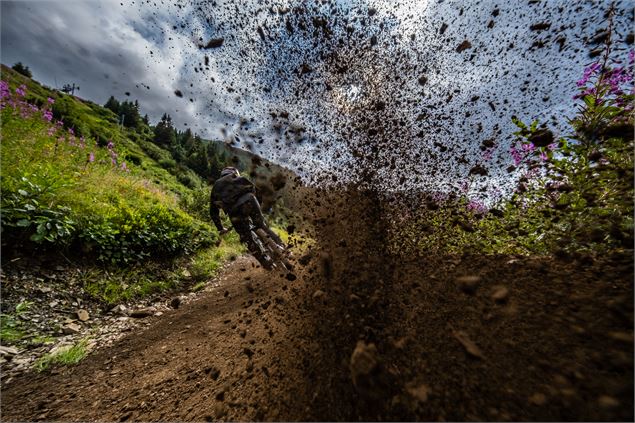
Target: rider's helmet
228,171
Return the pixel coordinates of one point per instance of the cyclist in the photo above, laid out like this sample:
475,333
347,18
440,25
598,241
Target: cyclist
235,195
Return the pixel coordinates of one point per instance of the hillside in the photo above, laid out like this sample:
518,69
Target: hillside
97,210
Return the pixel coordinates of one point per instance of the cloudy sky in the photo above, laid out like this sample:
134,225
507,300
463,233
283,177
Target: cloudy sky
280,55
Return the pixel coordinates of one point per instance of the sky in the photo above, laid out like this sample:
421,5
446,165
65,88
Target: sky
291,81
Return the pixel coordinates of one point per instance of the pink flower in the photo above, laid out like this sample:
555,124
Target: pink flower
4,89
48,116
50,100
91,157
21,90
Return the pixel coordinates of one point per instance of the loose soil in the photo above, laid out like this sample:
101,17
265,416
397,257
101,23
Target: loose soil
522,338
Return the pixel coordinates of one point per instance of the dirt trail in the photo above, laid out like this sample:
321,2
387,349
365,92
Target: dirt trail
224,355
555,344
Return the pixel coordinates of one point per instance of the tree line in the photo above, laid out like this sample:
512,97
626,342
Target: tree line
186,147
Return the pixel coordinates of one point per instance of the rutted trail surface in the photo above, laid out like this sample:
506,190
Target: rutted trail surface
219,356
525,338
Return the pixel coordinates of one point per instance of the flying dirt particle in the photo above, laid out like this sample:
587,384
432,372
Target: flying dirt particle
625,337
478,170
363,361
175,302
214,43
541,26
213,372
468,344
538,399
542,138
291,277
463,46
319,295
606,401
418,392
178,93
500,294
422,80
468,284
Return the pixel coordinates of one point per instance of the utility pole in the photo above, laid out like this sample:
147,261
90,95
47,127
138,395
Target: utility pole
70,89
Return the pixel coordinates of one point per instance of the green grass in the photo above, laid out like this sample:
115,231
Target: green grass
64,356
126,284
199,286
10,329
206,262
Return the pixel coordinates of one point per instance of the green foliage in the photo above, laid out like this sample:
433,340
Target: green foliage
68,355
64,189
11,328
28,211
196,203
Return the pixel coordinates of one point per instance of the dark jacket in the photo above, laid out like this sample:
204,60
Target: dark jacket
228,193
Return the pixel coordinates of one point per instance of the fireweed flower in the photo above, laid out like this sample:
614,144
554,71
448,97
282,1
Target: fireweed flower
48,116
516,155
50,100
4,89
588,72
110,145
21,90
91,157
124,167
528,147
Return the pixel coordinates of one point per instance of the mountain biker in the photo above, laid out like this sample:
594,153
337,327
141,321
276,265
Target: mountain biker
235,195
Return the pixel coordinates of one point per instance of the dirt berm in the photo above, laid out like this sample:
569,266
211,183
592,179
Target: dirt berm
364,335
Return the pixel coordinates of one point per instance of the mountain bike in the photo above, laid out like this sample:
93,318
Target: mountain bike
275,256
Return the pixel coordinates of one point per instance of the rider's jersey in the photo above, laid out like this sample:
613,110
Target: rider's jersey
228,193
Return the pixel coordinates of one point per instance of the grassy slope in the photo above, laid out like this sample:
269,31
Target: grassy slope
102,197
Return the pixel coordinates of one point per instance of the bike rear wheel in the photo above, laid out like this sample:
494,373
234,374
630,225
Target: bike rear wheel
275,252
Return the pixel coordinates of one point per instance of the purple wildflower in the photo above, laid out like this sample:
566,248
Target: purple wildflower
4,89
528,147
21,90
110,145
48,116
91,157
588,72
124,167
476,206
516,155
50,100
